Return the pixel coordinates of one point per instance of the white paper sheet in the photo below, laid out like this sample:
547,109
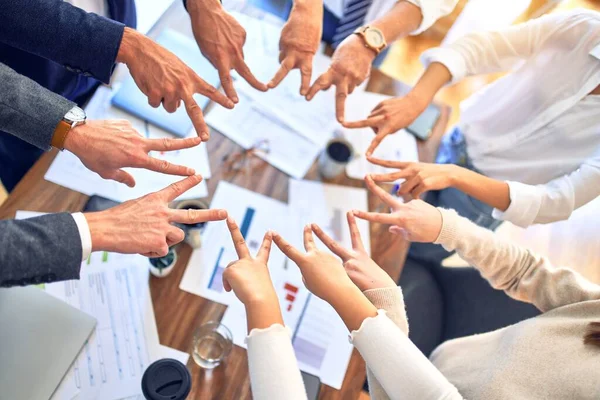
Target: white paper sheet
68,171
149,12
250,123
401,146
315,119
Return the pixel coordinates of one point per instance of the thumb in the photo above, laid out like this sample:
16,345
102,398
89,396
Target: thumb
122,177
226,284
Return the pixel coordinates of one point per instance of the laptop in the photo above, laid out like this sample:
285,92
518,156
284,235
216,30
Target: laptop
40,337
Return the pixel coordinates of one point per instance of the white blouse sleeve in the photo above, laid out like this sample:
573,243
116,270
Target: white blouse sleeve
272,364
432,10
553,201
399,366
502,50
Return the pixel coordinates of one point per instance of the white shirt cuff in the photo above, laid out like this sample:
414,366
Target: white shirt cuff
451,59
84,234
431,11
525,202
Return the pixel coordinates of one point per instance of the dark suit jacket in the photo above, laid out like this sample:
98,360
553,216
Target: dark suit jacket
40,249
51,41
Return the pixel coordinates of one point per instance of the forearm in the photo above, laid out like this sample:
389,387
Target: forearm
29,111
272,365
352,306
263,313
490,191
401,20
433,79
401,368
511,268
56,30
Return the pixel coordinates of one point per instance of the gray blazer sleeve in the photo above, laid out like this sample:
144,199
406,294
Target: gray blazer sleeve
39,250
29,111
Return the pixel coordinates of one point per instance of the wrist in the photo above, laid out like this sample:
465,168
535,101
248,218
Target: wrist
263,312
194,6
456,175
74,139
130,44
99,232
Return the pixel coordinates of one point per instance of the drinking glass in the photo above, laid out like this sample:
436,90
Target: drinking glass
212,344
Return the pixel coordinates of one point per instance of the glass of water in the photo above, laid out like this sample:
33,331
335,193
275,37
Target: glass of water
212,343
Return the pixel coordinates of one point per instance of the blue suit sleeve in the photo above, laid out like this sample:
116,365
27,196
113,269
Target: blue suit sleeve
56,30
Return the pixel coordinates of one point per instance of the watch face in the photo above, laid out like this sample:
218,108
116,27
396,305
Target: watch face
75,114
374,38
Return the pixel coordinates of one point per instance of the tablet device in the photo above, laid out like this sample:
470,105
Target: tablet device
422,126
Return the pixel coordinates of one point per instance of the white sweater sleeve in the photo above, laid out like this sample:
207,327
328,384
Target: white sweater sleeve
553,201
403,371
432,10
502,50
274,372
521,274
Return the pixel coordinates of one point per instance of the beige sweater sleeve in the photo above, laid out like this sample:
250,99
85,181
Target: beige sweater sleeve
509,267
392,301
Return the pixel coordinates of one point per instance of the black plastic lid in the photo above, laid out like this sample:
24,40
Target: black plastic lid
166,379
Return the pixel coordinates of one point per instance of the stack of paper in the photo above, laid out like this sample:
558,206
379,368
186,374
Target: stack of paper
320,338
296,130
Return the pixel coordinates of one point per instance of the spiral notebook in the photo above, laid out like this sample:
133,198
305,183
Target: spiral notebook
131,99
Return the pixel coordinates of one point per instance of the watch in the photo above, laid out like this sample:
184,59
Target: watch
74,117
372,37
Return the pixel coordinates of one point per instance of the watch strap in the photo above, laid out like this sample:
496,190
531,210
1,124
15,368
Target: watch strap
60,135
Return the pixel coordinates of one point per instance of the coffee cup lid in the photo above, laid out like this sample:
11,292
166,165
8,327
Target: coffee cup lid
166,379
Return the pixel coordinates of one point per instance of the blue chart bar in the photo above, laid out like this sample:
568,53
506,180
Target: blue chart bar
216,279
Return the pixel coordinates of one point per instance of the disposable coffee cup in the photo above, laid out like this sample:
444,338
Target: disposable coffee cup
193,232
333,160
166,379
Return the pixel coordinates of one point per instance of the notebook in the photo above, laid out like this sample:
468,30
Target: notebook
131,99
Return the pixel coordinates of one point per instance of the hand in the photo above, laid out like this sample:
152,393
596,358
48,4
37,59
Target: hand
221,39
390,116
419,177
416,220
299,42
350,66
165,79
107,146
323,272
250,281
144,225
359,266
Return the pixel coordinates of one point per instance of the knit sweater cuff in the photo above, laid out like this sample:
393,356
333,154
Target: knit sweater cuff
391,300
448,236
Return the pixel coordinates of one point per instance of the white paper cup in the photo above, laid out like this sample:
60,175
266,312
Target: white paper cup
333,159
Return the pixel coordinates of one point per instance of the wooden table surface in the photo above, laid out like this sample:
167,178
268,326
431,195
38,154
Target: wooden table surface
179,313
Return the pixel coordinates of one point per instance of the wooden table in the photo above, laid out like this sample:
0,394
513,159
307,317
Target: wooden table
179,313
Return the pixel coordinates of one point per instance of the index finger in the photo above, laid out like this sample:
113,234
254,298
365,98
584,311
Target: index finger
341,92
194,216
195,113
265,248
212,93
290,251
376,141
330,243
309,241
389,163
382,194
357,243
168,144
286,65
176,189
244,71
370,122
238,239
323,82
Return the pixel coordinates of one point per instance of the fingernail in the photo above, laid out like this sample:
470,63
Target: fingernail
191,171
230,104
235,99
222,214
197,139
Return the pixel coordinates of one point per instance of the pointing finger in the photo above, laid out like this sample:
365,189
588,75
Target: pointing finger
305,74
381,134
176,189
123,177
382,194
195,113
323,83
309,241
212,93
238,239
227,84
341,92
167,144
265,248
376,217
193,216
365,123
165,167
389,163
244,71
331,244
290,251
357,243
284,69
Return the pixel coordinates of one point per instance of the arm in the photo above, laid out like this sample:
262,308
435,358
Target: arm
29,111
39,250
272,363
521,274
553,201
56,30
499,51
